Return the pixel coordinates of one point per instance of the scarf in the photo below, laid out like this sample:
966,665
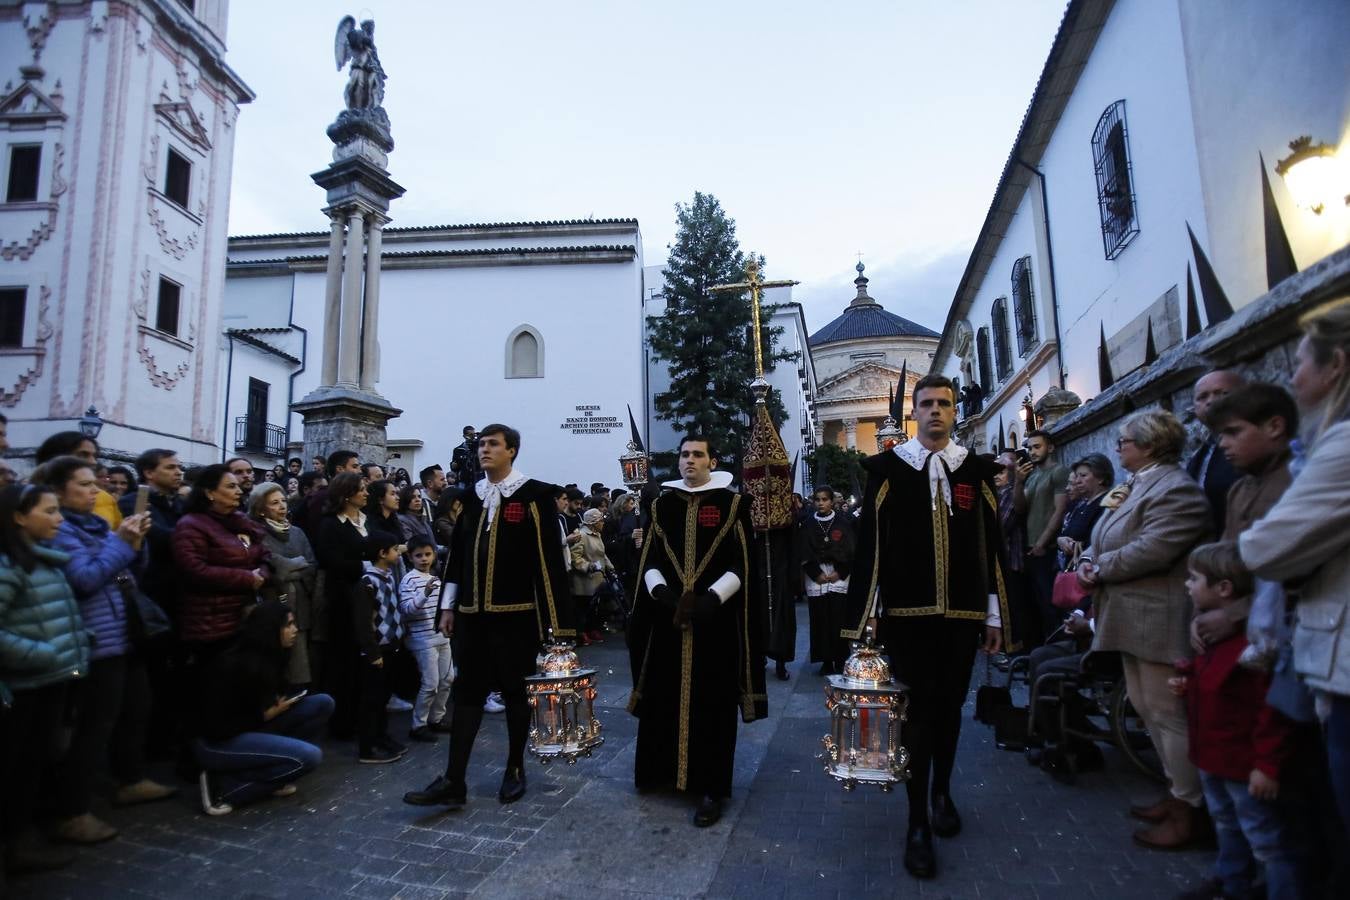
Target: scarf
951,457
492,494
281,528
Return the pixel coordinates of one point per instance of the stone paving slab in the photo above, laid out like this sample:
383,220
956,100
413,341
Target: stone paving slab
788,832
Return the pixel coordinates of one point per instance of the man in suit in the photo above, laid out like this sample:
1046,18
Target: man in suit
1208,465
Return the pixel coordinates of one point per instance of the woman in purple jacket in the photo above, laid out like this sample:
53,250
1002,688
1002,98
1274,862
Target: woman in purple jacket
112,705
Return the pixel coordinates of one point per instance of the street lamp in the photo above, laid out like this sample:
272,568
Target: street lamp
91,424
1312,173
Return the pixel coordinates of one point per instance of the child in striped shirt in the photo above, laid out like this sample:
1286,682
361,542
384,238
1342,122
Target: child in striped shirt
419,599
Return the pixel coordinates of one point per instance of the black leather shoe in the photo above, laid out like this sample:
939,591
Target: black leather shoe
708,812
946,820
441,792
920,860
513,786
781,672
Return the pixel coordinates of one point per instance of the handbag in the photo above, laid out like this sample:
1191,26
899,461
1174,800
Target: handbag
1067,593
146,622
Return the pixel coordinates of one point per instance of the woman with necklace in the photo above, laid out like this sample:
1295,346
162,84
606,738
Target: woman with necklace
825,548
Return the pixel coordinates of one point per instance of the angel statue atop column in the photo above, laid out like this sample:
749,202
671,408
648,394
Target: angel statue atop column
365,86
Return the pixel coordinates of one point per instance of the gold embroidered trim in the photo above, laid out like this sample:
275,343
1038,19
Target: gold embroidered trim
856,634
989,496
747,684
941,549
558,630
687,578
477,536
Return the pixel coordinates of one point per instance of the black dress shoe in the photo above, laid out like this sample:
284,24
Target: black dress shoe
920,860
708,812
782,672
441,792
513,785
946,820
422,734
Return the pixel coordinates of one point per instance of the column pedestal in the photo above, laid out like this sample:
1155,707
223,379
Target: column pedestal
338,418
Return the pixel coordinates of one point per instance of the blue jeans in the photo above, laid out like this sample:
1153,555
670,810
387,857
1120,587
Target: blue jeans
251,765
1247,828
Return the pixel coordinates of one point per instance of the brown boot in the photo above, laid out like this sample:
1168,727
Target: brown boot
86,828
1152,812
1177,831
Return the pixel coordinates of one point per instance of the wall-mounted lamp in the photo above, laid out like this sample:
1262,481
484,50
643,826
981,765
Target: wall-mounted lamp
91,424
1312,173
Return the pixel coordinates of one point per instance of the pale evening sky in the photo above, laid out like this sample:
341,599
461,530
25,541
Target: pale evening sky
825,130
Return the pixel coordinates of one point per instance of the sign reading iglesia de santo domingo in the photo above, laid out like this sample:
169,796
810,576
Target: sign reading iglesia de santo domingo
589,421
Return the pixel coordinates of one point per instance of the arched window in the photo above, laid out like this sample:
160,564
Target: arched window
1115,182
525,353
1024,310
982,352
1002,349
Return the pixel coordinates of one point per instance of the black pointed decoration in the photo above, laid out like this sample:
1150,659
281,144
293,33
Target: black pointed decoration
1192,308
792,477
1150,345
1002,437
1280,263
898,401
632,425
1217,307
855,487
890,400
820,479
1104,377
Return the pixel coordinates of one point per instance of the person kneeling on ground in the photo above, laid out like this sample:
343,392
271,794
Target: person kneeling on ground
256,740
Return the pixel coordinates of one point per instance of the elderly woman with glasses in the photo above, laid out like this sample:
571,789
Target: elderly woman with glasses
1137,566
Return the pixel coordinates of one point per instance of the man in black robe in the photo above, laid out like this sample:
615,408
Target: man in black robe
504,588
825,549
694,640
927,568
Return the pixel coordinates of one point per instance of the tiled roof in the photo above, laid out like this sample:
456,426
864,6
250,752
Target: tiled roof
869,321
473,226
441,254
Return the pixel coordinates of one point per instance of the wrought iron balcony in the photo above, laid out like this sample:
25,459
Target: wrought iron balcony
253,435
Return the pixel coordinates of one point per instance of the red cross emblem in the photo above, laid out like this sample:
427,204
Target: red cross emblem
514,512
965,495
836,535
709,516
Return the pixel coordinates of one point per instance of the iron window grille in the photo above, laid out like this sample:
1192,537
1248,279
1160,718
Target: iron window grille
982,351
1002,348
1024,308
1115,180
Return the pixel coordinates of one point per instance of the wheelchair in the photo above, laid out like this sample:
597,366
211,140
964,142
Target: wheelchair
1090,705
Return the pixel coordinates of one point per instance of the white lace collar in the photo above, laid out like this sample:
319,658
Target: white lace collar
917,456
715,481
492,494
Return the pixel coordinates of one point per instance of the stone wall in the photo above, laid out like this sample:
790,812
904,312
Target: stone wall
1258,340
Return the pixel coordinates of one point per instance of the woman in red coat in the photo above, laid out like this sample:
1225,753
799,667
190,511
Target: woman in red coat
221,561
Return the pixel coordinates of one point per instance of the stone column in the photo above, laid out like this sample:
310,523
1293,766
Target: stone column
851,433
370,342
349,360
332,306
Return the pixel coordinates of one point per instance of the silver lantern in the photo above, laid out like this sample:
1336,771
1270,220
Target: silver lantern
562,698
867,708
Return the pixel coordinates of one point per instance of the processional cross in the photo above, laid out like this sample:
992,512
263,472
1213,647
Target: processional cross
754,285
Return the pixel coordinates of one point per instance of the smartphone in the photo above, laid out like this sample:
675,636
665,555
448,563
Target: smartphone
1022,456
294,697
142,498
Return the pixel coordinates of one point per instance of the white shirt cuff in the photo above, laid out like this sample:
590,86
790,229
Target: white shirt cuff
725,586
653,579
448,591
993,619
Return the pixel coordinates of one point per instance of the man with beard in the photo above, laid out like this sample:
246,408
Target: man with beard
694,641
504,586
927,568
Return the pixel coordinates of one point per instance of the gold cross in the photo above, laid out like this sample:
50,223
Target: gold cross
755,286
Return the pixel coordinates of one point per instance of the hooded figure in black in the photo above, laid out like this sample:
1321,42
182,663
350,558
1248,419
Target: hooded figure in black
694,641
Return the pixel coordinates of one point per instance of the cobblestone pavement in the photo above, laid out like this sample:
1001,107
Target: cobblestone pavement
581,831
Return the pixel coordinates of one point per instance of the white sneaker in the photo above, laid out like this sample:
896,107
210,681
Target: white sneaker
285,790
494,703
397,704
210,805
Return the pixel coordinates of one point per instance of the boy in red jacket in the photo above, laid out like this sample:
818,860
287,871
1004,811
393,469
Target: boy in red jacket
1237,742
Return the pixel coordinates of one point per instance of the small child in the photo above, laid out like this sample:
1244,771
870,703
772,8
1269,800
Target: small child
419,601
379,631
1237,742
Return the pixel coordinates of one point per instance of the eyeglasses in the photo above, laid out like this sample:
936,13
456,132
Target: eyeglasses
1121,442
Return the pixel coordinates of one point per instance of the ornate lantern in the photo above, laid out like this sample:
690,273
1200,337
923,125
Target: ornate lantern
561,698
867,708
888,435
635,464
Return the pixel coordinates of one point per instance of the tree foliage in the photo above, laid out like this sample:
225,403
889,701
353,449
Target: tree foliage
705,338
839,467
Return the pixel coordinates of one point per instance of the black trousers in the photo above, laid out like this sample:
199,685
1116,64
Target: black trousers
112,710
28,739
496,651
372,719
1040,574
933,656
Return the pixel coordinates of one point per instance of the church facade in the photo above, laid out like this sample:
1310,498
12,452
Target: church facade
859,357
534,324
